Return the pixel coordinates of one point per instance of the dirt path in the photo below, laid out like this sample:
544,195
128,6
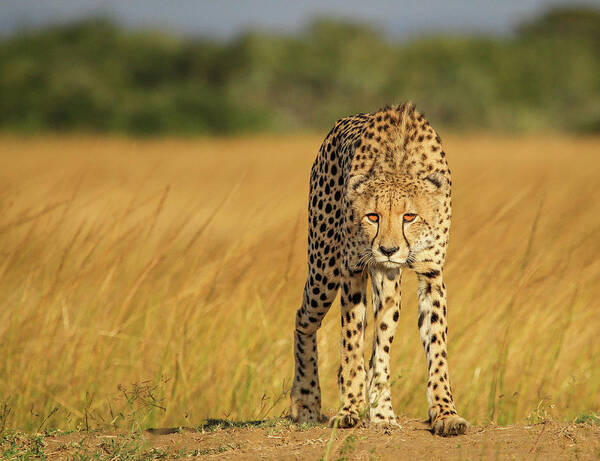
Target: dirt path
549,440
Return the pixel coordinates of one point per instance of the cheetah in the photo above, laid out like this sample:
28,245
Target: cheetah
379,203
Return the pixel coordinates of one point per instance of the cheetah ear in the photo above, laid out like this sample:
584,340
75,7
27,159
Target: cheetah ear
355,184
437,183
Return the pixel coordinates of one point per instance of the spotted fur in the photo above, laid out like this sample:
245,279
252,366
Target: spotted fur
379,203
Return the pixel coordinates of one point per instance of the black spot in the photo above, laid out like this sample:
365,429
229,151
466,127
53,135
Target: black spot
434,180
396,315
431,274
356,298
420,322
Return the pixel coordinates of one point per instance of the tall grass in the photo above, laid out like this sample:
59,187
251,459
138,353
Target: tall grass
155,282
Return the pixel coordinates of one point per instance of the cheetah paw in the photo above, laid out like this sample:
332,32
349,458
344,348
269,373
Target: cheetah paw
384,422
300,414
345,420
449,425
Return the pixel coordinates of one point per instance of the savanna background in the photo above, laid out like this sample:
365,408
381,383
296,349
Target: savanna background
153,195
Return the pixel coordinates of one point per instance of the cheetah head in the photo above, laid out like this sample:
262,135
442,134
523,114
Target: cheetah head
396,216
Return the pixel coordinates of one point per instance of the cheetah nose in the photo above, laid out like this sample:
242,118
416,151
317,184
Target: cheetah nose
388,251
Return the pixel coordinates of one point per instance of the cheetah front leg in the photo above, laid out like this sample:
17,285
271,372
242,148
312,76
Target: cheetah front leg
352,374
433,330
386,309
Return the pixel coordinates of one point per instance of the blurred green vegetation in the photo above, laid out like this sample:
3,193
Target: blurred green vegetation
96,76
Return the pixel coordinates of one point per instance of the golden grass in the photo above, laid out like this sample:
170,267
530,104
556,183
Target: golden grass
179,264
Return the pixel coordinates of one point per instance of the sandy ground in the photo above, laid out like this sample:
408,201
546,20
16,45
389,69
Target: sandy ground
547,440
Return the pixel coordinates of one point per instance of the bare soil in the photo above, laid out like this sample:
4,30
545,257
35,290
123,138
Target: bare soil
546,440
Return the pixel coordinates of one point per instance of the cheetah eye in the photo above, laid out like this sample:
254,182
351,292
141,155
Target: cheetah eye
409,217
373,217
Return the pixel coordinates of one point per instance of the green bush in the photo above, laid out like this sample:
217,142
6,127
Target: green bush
95,76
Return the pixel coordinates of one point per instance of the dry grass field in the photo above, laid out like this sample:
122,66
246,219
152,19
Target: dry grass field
154,282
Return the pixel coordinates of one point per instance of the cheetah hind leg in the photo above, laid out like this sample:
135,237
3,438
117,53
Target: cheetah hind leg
301,413
305,396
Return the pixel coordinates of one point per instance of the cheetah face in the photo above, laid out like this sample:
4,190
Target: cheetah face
394,217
